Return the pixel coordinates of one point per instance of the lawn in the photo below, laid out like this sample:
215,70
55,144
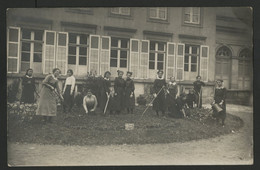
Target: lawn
77,128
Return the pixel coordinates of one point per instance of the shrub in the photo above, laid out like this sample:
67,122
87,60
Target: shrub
141,100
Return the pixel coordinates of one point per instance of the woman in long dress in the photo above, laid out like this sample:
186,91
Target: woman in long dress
105,90
47,106
171,96
68,91
29,88
119,87
159,103
129,93
220,99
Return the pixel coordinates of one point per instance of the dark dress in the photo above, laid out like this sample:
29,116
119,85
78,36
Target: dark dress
171,97
119,87
129,89
104,88
197,88
28,89
159,103
190,99
176,109
220,94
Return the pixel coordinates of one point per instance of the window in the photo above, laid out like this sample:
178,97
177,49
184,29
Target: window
192,15
31,51
77,49
244,69
156,55
119,52
121,11
191,58
158,13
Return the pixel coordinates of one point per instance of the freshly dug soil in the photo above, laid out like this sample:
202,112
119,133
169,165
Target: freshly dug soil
77,128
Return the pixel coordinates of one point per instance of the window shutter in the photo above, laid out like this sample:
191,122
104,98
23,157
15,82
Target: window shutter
94,53
105,54
170,63
13,49
49,51
180,62
134,57
144,59
204,56
62,51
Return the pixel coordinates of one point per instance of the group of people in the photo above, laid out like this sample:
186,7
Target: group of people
117,98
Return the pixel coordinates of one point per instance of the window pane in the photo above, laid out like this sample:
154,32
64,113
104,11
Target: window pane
135,46
152,45
82,60
50,38
114,42
193,59
13,50
194,50
115,10
160,57
151,65
26,34
152,56
72,50
113,63
25,57
171,49
162,14
13,35
94,42
186,67
161,46
159,65
83,39
187,10
113,53
62,39
82,51
37,47
25,66
145,46
26,46
125,11
187,17
195,18
124,43
71,59
204,52
37,57
186,59
196,10
38,35
123,54
193,68
72,38
152,12
123,63
12,64
180,49
105,43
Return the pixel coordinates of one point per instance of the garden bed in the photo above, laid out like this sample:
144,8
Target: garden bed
77,128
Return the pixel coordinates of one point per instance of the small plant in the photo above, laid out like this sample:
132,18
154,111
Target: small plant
141,100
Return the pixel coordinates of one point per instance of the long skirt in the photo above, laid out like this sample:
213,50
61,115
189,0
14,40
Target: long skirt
159,103
28,94
68,99
129,101
47,105
120,100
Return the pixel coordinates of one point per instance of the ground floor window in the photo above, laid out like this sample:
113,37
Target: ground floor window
119,52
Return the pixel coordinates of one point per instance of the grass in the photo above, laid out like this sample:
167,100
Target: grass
77,128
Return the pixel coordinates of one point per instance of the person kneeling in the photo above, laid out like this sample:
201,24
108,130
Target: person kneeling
90,102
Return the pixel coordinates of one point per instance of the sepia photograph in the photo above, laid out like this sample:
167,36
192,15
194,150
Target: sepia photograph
116,86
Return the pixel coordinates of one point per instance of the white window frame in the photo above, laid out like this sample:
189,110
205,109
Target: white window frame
190,56
156,52
19,49
174,60
191,15
120,9
102,50
44,49
158,9
118,48
135,75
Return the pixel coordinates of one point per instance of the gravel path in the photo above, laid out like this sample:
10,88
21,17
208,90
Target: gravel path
234,148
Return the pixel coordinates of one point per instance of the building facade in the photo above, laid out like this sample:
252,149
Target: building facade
184,42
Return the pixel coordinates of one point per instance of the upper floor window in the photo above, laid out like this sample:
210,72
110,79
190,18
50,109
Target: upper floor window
121,11
158,13
192,15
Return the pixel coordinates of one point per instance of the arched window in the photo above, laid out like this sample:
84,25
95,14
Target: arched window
244,69
223,62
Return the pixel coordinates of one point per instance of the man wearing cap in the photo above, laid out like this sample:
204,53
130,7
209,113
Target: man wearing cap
198,91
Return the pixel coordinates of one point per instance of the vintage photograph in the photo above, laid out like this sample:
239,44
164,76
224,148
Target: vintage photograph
129,86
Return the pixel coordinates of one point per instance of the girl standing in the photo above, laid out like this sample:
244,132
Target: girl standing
68,91
105,90
171,97
119,87
159,103
47,103
220,99
129,93
29,88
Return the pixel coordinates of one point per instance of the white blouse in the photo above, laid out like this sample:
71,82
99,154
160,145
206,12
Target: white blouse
70,81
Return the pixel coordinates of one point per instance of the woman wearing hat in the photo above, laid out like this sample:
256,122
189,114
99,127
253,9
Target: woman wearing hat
129,93
104,90
220,99
198,92
119,87
159,103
